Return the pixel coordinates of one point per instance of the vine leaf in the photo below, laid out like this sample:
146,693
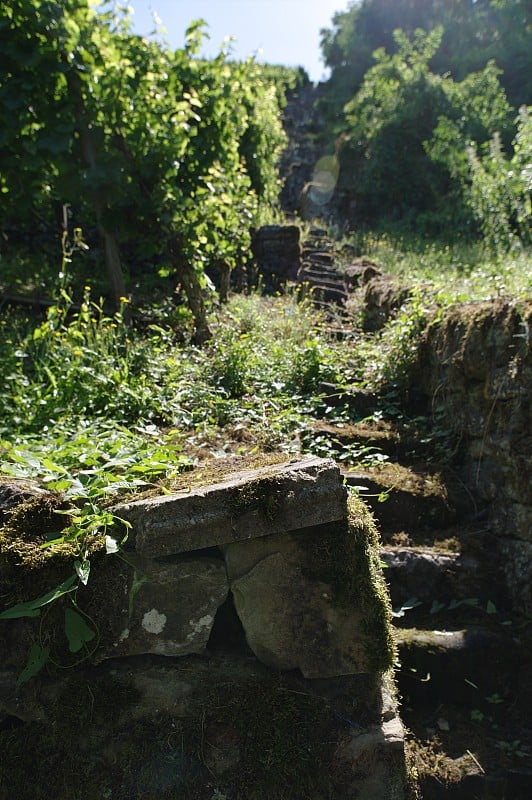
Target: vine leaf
37,658
77,631
31,608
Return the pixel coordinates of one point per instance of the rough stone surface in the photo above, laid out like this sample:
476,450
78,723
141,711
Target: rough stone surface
247,505
360,272
171,612
288,625
414,500
13,493
291,621
517,560
476,363
447,656
18,702
161,690
277,253
218,715
375,754
383,297
211,728
429,575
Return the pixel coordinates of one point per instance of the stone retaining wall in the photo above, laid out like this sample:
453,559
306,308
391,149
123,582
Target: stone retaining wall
243,650
476,363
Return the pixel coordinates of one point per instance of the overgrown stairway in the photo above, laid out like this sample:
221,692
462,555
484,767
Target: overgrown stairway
319,272
464,658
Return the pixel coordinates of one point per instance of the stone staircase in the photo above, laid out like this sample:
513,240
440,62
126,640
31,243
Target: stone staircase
464,654
318,274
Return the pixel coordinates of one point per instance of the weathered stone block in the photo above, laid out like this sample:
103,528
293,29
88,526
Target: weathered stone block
291,623
511,519
171,608
304,574
291,613
375,756
277,251
249,504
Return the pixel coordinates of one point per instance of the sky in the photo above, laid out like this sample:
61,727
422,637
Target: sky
275,31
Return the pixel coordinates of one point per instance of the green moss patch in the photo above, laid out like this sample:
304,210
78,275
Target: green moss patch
346,557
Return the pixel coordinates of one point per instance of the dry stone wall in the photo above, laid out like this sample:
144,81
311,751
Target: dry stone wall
476,363
251,610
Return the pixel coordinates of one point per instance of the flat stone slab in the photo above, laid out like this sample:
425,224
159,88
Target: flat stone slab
249,504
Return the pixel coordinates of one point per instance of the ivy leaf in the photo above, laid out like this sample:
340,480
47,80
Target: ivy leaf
436,606
37,658
77,631
32,607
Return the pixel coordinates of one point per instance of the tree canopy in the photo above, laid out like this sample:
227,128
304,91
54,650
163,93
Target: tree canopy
419,108
474,32
162,151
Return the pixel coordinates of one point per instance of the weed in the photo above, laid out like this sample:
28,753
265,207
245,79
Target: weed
512,749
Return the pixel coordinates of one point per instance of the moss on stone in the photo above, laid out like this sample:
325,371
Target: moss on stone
246,733
346,557
280,733
258,494
211,472
68,755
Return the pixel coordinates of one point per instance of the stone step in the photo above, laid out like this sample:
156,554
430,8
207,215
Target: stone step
319,269
329,287
466,699
326,295
361,401
325,258
322,280
282,561
318,233
246,505
471,668
392,443
434,578
404,499
511,784
314,269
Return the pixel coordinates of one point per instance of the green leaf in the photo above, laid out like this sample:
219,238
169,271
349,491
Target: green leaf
77,631
469,601
31,607
410,604
37,658
20,610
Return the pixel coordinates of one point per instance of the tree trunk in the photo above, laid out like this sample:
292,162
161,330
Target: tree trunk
111,251
112,260
186,275
191,285
225,281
